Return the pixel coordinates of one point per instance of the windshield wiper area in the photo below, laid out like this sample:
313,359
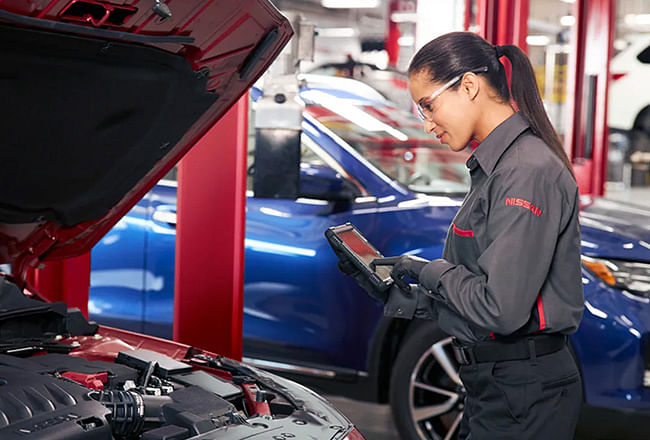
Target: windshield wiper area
30,346
29,326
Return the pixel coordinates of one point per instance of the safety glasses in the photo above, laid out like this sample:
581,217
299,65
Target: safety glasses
424,105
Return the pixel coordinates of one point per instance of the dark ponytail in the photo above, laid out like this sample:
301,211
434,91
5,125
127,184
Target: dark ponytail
458,52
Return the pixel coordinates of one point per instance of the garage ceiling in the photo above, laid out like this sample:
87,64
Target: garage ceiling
545,16
371,22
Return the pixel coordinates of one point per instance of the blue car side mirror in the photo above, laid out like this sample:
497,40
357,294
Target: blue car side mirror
323,183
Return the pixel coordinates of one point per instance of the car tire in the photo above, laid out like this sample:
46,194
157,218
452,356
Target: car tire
640,133
426,395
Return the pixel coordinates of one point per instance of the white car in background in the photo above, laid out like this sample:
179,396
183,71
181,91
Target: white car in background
629,93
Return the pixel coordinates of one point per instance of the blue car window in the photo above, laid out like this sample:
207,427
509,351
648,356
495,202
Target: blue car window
393,141
307,154
309,158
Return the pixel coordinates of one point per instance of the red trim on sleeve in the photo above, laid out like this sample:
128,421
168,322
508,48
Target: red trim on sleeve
462,232
540,312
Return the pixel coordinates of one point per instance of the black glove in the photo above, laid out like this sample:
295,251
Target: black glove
347,267
409,266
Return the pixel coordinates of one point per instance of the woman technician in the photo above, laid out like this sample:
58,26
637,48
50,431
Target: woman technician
509,286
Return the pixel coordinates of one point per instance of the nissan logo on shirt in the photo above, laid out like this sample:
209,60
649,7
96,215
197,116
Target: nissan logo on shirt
514,201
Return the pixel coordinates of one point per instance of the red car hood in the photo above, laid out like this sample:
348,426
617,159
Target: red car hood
100,100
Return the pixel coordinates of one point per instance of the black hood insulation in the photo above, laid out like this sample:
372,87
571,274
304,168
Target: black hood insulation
84,119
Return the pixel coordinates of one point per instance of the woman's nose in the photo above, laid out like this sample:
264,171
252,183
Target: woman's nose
429,126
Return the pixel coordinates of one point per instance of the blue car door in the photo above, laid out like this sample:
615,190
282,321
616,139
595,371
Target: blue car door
158,298
118,272
297,306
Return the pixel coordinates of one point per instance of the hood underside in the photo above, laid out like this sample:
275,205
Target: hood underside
94,113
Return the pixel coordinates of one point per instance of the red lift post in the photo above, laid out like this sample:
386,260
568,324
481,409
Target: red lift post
392,35
209,279
487,19
513,23
505,22
586,140
467,20
64,280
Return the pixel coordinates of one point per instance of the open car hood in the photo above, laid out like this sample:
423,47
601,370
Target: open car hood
100,100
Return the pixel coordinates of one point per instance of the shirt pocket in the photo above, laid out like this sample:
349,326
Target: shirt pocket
469,220
466,233
462,246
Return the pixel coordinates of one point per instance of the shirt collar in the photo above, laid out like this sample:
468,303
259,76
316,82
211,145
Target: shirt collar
488,153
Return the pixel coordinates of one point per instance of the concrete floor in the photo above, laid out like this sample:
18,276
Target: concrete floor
375,421
638,195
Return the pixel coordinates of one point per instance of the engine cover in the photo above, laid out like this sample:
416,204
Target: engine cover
35,406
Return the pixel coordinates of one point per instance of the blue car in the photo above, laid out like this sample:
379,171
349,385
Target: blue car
366,162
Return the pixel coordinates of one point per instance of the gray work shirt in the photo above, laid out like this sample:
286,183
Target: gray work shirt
511,263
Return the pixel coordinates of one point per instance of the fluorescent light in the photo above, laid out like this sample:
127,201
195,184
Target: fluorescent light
537,40
406,41
637,19
569,1
352,113
620,44
345,32
643,19
567,20
404,17
350,4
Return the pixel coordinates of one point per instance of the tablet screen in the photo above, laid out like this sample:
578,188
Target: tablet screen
363,250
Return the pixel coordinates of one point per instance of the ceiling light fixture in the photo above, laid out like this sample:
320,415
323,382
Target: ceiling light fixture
404,17
349,4
567,20
407,40
637,19
620,44
337,32
537,40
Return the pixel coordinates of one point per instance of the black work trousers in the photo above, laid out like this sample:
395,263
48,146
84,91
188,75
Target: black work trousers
532,399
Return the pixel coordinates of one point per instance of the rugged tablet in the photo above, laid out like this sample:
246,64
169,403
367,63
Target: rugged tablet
348,240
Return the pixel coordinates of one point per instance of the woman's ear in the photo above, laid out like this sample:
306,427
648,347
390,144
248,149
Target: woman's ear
470,85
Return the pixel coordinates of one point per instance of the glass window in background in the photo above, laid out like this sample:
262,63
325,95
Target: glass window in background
629,101
549,33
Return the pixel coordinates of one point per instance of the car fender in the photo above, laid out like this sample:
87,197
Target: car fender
387,341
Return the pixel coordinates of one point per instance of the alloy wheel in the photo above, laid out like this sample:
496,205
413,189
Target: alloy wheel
436,393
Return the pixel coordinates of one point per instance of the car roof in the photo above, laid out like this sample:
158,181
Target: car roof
340,88
345,88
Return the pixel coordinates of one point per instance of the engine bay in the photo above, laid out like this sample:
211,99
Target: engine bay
62,377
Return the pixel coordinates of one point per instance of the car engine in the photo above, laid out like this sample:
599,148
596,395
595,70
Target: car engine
136,397
61,379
